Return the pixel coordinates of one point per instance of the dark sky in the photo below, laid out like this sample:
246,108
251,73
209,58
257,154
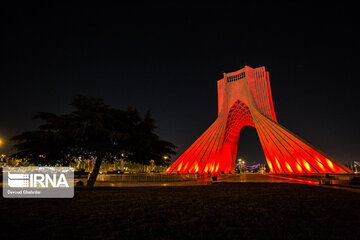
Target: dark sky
167,59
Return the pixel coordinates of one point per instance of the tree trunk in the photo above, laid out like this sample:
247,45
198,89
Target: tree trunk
92,179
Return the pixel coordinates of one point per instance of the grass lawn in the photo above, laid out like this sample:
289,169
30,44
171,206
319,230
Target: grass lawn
218,211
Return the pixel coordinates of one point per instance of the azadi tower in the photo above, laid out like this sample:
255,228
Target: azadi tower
244,99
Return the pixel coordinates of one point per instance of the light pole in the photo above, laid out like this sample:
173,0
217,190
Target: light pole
239,167
2,156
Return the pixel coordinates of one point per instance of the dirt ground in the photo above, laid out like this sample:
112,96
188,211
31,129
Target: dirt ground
217,211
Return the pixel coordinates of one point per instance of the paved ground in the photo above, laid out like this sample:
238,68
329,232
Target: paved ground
215,211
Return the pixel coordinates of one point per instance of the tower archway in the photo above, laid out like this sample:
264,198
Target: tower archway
249,150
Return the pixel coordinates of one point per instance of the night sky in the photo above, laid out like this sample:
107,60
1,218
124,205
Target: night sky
167,59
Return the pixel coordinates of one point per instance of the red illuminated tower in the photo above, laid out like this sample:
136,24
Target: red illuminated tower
244,99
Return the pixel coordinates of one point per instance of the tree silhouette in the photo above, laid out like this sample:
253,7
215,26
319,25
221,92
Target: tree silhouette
93,129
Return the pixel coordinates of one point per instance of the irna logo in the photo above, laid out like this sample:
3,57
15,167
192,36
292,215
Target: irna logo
20,180
38,182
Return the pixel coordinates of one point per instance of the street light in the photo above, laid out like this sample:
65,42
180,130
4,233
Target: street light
1,142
